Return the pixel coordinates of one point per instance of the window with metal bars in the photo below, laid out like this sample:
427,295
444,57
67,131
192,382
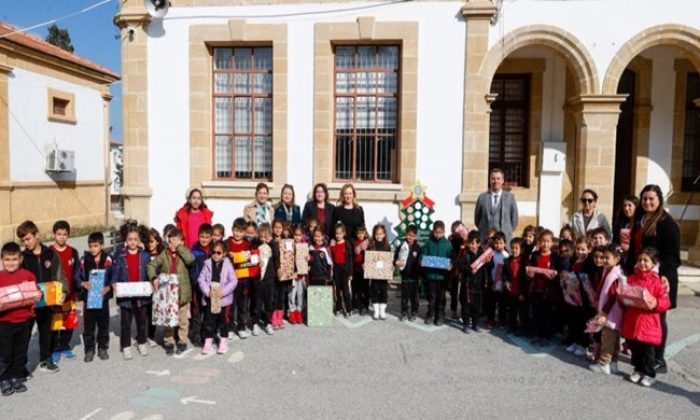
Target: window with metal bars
242,103
366,112
509,128
691,135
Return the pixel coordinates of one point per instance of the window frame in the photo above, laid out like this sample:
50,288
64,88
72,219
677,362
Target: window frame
233,95
396,158
499,105
69,98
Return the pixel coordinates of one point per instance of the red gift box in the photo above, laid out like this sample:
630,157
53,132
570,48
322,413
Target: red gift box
483,259
19,295
547,272
636,296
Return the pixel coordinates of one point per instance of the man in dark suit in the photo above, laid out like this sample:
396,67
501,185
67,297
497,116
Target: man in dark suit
496,208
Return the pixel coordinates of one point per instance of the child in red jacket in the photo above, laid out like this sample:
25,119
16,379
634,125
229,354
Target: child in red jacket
642,327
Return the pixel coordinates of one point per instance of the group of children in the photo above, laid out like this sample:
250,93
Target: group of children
238,284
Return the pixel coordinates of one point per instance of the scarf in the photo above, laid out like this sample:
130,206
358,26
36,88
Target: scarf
216,271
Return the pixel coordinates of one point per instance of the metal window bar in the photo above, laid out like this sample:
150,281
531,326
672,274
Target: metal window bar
366,112
242,101
509,128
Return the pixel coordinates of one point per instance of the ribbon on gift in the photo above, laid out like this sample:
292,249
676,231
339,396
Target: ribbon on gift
482,259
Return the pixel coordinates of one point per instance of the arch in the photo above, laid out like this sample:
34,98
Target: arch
685,38
562,42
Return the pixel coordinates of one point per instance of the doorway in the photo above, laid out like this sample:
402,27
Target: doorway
624,146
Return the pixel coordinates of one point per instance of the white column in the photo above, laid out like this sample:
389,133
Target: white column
553,163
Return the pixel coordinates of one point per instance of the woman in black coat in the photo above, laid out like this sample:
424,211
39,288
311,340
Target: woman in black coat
319,208
654,227
348,212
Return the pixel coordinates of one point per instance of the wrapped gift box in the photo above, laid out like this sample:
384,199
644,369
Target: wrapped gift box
636,296
462,231
300,255
286,268
215,298
592,326
547,272
320,306
588,289
570,287
441,263
482,259
133,289
246,263
625,235
265,253
403,254
498,279
19,295
379,265
166,301
66,318
94,294
52,293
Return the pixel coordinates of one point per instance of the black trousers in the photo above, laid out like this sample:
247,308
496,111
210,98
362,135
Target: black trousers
437,298
14,345
643,357
473,302
660,350
517,313
242,296
542,312
214,323
576,317
360,289
48,340
343,301
409,295
140,315
96,319
262,301
281,291
455,290
151,327
380,291
495,303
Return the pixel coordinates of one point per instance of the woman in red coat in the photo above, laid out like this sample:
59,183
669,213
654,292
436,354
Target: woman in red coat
191,216
642,327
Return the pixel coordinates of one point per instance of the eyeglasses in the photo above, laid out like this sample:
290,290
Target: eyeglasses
587,200
218,253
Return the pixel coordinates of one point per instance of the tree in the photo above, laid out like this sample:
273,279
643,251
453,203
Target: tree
416,209
59,37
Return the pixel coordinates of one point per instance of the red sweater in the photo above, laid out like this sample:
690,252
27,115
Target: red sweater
17,315
238,247
132,265
358,259
338,253
540,281
514,277
641,324
67,262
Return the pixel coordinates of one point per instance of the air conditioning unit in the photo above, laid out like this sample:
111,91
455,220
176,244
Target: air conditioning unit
60,160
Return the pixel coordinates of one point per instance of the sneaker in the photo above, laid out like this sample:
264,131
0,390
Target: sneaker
208,343
89,356
256,330
489,325
268,330
48,366
429,320
439,321
412,317
181,347
169,349
223,346
465,329
580,351
402,318
647,381
68,354
103,354
143,349
152,343
127,353
7,389
545,343
475,328
18,385
600,368
635,377
614,368
56,357
572,348
243,334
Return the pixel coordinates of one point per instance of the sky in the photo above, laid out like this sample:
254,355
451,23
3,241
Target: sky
92,33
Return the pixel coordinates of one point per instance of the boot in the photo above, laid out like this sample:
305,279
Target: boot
375,306
300,315
223,346
280,319
274,320
382,311
292,317
208,342
298,319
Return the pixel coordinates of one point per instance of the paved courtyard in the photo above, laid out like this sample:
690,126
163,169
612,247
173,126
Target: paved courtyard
360,368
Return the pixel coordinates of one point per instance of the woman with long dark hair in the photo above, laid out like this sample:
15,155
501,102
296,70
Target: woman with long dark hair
654,227
191,216
320,208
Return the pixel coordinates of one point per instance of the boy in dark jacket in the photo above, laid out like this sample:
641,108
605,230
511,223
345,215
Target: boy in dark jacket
46,266
437,246
201,251
474,282
95,319
264,287
407,260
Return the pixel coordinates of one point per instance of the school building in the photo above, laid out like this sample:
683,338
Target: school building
563,95
54,136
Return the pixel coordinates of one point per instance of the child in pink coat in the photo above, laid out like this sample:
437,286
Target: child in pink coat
642,327
217,269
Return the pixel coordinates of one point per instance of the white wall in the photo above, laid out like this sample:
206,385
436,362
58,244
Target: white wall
31,131
440,86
